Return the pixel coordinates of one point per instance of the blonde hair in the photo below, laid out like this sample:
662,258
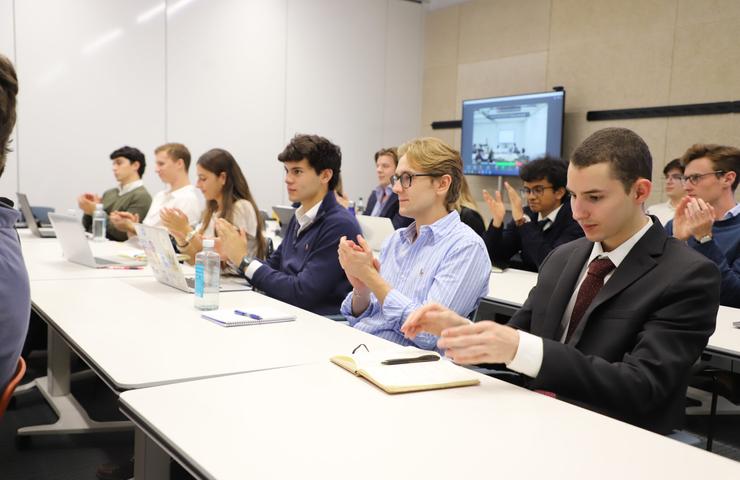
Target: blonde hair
432,155
466,198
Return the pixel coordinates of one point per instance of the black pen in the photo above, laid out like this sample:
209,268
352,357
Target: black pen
399,361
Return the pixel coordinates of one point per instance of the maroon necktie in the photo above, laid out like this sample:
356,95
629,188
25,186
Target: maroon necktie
597,270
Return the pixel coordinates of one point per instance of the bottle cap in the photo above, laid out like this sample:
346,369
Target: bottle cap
98,206
208,243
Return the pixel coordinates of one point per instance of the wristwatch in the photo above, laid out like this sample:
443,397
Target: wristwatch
705,239
246,260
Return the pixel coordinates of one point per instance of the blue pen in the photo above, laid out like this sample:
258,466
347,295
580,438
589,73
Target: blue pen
247,314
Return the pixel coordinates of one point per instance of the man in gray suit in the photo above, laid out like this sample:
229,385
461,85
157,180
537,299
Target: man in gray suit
624,350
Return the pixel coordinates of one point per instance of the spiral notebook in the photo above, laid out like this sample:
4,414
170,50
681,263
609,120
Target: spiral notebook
234,317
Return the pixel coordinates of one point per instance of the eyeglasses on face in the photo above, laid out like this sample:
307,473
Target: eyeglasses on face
694,179
406,178
537,190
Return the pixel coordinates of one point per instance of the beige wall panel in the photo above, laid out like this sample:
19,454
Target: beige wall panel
706,63
584,21
441,37
634,72
503,76
685,131
438,96
503,28
691,12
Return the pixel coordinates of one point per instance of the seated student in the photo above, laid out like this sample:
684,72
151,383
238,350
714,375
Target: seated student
15,296
130,196
382,202
673,172
304,270
342,198
708,217
171,164
626,349
468,210
227,197
436,258
537,229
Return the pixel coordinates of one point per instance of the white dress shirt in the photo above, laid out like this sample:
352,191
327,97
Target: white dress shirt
184,198
123,190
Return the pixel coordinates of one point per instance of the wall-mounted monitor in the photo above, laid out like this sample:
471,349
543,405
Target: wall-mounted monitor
501,134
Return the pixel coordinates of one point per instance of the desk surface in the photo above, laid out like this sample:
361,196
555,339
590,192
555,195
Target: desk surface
511,286
726,338
137,332
318,421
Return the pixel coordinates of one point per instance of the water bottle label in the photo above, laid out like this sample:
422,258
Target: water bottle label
200,279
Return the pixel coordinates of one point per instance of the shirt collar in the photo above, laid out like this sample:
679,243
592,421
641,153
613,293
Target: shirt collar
618,255
180,191
733,212
305,218
130,186
379,190
439,228
550,216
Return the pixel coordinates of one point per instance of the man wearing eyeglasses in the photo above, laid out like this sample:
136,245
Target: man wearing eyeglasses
708,217
436,258
544,224
673,174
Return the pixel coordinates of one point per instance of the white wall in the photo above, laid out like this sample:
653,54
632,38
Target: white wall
241,75
9,180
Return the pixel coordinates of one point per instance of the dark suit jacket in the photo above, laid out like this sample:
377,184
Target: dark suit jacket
630,356
533,243
389,210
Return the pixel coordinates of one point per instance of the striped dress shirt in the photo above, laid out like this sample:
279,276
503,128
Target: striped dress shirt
448,263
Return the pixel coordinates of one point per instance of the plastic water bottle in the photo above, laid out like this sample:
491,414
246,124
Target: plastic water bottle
360,206
98,223
351,207
207,277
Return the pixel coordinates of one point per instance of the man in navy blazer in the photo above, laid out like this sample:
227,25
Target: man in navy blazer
535,230
304,271
382,201
616,319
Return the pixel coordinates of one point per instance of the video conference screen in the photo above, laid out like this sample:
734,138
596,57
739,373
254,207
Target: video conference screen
501,134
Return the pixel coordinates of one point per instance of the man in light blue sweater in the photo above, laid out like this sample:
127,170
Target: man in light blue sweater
15,297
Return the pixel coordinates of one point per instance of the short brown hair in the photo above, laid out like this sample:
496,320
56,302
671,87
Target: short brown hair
320,153
175,151
626,152
432,155
391,152
8,93
724,158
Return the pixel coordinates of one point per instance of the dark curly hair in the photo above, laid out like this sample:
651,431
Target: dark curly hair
132,155
8,93
320,153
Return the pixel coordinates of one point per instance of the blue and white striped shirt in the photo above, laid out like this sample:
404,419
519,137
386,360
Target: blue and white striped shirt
448,264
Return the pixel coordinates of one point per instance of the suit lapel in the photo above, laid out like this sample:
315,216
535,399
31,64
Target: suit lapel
564,289
639,261
388,205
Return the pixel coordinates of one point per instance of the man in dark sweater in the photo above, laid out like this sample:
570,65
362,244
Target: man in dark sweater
304,271
547,222
15,295
708,217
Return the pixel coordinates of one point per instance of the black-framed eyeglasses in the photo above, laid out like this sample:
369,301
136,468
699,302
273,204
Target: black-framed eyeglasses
694,179
406,178
537,190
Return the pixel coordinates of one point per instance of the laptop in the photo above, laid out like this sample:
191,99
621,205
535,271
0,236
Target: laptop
76,248
164,263
375,230
285,214
31,220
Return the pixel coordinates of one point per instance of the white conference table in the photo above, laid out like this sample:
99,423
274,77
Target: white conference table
136,332
319,421
725,340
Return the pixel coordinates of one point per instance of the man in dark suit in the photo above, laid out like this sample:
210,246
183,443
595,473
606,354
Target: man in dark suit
382,202
544,224
624,350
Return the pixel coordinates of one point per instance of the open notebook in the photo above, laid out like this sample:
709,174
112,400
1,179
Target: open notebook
396,376
233,317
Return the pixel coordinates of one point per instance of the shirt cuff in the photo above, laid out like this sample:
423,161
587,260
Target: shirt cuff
528,358
252,269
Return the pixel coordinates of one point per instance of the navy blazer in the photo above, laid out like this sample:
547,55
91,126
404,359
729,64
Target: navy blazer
632,351
304,270
530,240
389,210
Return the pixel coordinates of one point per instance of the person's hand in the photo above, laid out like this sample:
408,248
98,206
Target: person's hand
357,260
681,220
496,206
481,342
124,221
431,318
517,211
231,243
87,202
176,222
700,218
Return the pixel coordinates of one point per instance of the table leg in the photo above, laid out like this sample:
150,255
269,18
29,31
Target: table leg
150,461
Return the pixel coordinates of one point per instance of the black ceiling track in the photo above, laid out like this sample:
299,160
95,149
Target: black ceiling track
715,108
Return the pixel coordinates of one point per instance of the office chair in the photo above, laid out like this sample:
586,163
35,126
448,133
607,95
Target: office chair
14,381
717,382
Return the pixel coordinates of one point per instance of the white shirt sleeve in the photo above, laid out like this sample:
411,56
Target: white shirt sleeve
529,354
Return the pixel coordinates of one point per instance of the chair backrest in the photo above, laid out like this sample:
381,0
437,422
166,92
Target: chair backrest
10,388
